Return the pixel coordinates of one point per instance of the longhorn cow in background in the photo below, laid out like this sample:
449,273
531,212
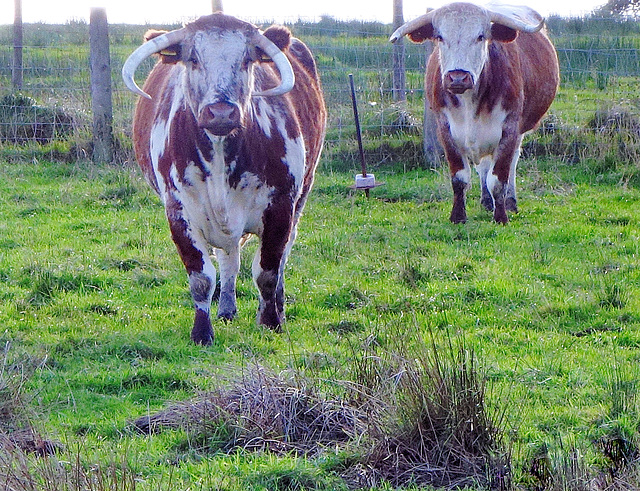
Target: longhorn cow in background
228,132
491,77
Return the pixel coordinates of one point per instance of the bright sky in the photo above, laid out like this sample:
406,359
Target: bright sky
159,11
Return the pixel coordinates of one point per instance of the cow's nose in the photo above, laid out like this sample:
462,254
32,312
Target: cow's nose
220,118
458,81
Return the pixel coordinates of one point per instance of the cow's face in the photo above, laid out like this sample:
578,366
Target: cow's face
462,47
462,32
217,55
217,79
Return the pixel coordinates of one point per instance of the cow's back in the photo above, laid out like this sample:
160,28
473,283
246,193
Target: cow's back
307,98
308,103
540,75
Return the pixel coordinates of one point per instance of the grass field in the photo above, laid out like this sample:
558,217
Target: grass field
96,316
539,320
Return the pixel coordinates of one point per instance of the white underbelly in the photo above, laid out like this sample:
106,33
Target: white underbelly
476,136
223,214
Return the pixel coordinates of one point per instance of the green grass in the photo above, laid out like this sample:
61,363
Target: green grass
95,312
94,296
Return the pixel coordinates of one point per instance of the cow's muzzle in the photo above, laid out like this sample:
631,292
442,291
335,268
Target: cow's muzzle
458,81
220,118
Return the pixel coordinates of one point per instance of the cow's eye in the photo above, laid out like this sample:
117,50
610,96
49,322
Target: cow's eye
439,38
193,59
481,38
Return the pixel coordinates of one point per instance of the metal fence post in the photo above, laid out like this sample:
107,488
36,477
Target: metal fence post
101,102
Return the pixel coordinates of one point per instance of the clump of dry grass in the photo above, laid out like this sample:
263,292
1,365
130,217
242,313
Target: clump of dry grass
440,432
565,467
16,414
609,141
409,421
263,410
20,472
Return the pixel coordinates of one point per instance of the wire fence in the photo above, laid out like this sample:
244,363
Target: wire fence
51,115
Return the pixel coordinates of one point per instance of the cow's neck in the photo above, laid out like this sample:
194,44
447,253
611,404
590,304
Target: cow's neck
217,164
494,83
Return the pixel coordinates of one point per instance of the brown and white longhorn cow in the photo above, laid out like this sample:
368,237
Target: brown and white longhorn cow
491,77
229,133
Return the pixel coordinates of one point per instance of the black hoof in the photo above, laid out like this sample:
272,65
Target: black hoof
202,332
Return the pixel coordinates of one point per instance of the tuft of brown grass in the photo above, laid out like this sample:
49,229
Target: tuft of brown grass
441,433
408,421
566,469
20,472
609,141
16,414
262,410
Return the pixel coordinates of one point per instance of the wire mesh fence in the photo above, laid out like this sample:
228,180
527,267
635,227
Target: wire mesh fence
50,116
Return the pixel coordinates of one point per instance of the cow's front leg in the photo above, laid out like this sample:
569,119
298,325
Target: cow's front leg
460,172
269,262
202,275
459,185
229,264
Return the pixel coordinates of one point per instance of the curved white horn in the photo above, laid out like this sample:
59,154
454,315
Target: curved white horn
412,25
519,17
281,61
144,51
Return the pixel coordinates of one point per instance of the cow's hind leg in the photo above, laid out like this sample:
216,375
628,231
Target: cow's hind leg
283,263
500,179
229,264
483,169
511,200
202,274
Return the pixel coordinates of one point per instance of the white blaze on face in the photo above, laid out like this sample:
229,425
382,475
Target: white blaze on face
218,68
462,40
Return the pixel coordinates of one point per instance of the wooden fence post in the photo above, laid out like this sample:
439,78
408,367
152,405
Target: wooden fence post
432,148
216,6
399,77
16,74
101,103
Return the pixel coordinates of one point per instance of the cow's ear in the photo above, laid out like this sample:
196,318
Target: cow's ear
421,34
503,33
170,54
278,35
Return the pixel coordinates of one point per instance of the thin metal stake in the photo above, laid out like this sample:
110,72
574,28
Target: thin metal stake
358,131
